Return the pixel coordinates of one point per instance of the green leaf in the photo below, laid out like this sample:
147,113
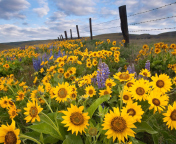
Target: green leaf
41,138
95,105
49,139
73,139
46,129
155,138
144,127
135,141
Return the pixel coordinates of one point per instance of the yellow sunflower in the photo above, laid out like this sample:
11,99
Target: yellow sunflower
145,73
129,84
62,92
90,90
161,83
139,89
105,92
126,96
174,80
20,96
73,95
32,111
134,110
9,134
4,102
66,74
170,116
110,83
75,119
13,112
157,101
60,70
118,125
124,76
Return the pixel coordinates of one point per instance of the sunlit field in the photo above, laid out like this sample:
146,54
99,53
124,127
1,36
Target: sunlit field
88,92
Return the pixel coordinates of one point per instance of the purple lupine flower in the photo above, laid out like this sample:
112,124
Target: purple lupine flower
103,105
147,65
102,74
129,69
37,63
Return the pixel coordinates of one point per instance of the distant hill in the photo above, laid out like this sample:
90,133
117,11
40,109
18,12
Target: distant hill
111,36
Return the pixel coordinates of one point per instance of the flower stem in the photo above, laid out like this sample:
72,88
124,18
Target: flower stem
47,103
30,138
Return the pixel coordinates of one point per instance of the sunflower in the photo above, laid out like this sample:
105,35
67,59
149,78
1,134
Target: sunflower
118,125
61,64
129,84
9,134
157,101
6,66
13,112
145,73
139,89
90,90
105,92
126,96
75,119
110,83
88,65
4,102
161,83
32,111
20,96
170,116
157,50
73,95
134,110
114,43
124,76
62,92
66,74
60,70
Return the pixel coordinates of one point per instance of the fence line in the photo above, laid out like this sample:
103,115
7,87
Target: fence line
123,20
151,9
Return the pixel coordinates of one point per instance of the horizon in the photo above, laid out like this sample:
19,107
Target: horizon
24,20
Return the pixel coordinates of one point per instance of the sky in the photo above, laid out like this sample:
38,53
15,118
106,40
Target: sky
23,20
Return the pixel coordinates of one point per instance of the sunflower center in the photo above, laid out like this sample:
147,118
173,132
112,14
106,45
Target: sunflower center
62,93
92,131
131,112
73,95
129,84
90,91
140,91
156,101
106,92
13,113
144,73
67,75
77,118
33,111
126,97
10,138
21,96
124,76
109,84
118,124
173,115
160,83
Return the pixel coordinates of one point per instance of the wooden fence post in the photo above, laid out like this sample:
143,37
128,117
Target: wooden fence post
58,38
90,24
65,35
77,31
124,24
71,33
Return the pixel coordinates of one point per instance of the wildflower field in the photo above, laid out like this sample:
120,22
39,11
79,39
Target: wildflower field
65,92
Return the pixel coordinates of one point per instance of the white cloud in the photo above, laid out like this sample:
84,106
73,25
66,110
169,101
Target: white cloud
13,9
76,7
43,10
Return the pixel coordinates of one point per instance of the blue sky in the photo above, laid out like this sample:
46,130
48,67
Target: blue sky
23,20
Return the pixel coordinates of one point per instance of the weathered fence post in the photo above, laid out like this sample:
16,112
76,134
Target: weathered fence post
90,24
124,24
65,34
70,33
58,38
77,31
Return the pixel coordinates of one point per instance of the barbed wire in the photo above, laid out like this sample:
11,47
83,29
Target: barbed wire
151,9
106,22
106,28
153,29
152,20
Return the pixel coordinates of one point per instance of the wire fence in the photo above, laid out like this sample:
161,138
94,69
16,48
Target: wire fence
86,30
